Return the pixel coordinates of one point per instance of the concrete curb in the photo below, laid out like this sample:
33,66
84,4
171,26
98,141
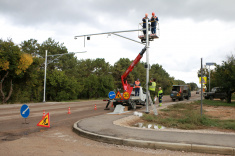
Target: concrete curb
154,144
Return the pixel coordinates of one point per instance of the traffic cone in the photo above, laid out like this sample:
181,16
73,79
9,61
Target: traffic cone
95,107
112,104
69,111
43,114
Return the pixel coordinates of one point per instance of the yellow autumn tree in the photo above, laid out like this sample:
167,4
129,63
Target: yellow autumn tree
4,64
25,61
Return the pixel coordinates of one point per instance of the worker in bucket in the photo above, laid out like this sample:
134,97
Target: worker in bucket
153,21
152,86
144,23
160,95
137,87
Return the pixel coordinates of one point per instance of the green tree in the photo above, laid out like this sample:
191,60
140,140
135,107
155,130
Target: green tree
13,64
193,86
179,82
163,79
62,87
224,77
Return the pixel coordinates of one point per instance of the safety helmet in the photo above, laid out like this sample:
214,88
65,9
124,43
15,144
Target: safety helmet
153,13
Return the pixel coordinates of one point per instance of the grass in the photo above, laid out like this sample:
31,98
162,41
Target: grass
187,116
215,103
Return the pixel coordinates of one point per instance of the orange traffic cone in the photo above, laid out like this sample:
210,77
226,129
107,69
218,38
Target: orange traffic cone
69,111
43,114
95,107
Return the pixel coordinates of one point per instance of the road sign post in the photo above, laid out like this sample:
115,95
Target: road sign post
25,111
112,94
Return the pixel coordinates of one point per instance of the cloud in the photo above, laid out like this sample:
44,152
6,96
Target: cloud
189,29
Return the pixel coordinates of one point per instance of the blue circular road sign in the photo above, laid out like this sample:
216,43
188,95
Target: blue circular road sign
112,94
24,111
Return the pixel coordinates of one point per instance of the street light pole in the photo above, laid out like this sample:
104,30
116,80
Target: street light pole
45,75
209,64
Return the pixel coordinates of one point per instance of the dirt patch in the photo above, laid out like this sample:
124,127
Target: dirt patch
222,113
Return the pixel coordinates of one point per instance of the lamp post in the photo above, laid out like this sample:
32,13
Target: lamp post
45,75
210,64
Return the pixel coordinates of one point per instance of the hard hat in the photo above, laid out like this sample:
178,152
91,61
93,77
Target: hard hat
153,13
146,14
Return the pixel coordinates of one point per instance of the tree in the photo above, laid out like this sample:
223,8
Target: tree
13,64
224,77
193,86
62,87
163,79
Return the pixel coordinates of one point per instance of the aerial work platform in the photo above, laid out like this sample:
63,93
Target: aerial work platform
151,37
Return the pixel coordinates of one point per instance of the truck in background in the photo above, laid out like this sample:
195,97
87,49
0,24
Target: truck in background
216,92
180,92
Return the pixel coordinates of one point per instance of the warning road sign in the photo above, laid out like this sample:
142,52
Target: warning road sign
45,122
204,80
126,95
118,95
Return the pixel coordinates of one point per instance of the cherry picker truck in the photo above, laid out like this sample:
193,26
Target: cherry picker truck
133,100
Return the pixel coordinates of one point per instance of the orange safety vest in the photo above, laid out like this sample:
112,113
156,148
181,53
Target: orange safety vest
137,84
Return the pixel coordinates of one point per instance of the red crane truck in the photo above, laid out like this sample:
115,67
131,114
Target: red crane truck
133,100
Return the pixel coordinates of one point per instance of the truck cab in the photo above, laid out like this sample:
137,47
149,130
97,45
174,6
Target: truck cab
216,92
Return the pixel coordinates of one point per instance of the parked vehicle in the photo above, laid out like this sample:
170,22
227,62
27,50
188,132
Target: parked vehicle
198,91
216,92
180,92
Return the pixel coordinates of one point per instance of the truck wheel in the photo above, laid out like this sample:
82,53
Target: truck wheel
211,97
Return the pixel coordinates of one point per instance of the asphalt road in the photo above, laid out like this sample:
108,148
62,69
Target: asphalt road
13,124
18,138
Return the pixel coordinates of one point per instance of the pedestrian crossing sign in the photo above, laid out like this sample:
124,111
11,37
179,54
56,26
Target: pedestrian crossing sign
203,80
45,122
118,95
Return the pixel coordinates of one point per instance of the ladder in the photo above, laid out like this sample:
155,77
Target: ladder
153,106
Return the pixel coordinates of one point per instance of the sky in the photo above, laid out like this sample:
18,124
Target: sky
189,29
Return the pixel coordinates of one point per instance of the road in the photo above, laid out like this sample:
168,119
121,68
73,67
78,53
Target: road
18,138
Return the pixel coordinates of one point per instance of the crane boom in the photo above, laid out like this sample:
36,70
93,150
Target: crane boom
126,86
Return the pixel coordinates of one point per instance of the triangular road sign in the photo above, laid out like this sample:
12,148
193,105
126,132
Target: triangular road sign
45,122
118,96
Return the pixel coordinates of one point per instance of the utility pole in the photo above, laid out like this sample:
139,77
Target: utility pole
147,68
201,87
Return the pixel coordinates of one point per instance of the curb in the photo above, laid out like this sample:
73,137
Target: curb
154,144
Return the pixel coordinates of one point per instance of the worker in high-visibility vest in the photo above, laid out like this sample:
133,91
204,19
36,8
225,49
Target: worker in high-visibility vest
137,87
152,86
160,95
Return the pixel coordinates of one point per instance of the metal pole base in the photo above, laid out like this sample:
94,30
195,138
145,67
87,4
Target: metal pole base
25,121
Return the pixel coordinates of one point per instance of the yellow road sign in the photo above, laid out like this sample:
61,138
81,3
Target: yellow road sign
45,122
118,95
204,80
126,95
